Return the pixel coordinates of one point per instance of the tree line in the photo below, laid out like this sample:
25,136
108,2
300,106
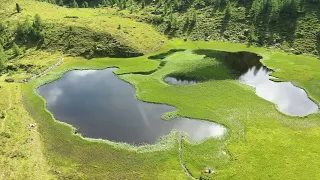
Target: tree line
28,31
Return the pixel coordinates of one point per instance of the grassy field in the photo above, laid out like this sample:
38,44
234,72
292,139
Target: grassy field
261,143
83,29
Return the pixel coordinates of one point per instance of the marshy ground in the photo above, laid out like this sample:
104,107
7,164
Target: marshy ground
261,142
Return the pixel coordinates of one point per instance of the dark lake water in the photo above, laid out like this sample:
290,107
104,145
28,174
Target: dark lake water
101,105
248,69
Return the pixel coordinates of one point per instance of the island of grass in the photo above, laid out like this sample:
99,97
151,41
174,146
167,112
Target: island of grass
260,142
258,134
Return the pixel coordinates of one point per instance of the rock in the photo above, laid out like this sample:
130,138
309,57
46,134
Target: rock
277,45
207,38
125,31
162,41
9,80
242,37
32,125
2,115
226,35
246,32
156,12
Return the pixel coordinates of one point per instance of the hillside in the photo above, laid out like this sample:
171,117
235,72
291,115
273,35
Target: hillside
205,45
292,25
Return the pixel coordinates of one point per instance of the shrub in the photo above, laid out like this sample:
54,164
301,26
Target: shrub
17,51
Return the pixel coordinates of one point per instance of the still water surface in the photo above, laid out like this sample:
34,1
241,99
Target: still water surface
101,105
247,68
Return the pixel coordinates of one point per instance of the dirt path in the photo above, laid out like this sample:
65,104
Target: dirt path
44,72
188,173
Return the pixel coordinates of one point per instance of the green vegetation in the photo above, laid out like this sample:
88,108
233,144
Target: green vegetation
261,142
232,156
18,8
291,25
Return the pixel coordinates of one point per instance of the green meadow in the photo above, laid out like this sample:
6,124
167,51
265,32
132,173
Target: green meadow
260,142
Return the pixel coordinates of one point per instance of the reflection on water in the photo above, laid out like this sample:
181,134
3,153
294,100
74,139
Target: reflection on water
179,82
248,69
102,106
288,98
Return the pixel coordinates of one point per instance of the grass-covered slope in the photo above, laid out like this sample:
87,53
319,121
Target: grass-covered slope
292,25
87,32
261,143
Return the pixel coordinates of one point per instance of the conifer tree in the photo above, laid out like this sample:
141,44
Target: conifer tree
16,49
3,59
74,4
60,2
18,8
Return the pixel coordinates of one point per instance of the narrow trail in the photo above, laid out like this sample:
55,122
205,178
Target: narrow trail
3,124
158,45
43,73
188,173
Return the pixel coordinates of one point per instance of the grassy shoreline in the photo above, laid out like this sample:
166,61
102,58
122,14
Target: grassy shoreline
243,127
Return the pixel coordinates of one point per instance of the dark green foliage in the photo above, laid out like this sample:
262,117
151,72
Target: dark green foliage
85,5
17,51
60,2
38,24
74,4
103,3
30,32
79,41
18,8
143,4
3,59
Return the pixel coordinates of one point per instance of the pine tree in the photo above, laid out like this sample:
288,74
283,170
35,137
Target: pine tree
124,4
165,9
74,4
194,17
16,49
37,24
104,3
3,59
60,2
18,8
86,5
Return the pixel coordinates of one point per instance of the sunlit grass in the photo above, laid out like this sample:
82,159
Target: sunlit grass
259,137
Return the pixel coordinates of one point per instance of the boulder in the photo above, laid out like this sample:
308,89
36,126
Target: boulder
246,32
9,80
156,12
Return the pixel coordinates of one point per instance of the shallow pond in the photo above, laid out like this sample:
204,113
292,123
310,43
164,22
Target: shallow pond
249,70
178,82
101,105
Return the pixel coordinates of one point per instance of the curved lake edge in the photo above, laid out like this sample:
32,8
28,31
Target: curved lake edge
163,143
308,96
277,79
174,80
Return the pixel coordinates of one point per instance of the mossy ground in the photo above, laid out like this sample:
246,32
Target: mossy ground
261,142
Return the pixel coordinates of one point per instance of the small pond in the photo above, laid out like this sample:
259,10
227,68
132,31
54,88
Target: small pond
179,81
101,105
248,69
